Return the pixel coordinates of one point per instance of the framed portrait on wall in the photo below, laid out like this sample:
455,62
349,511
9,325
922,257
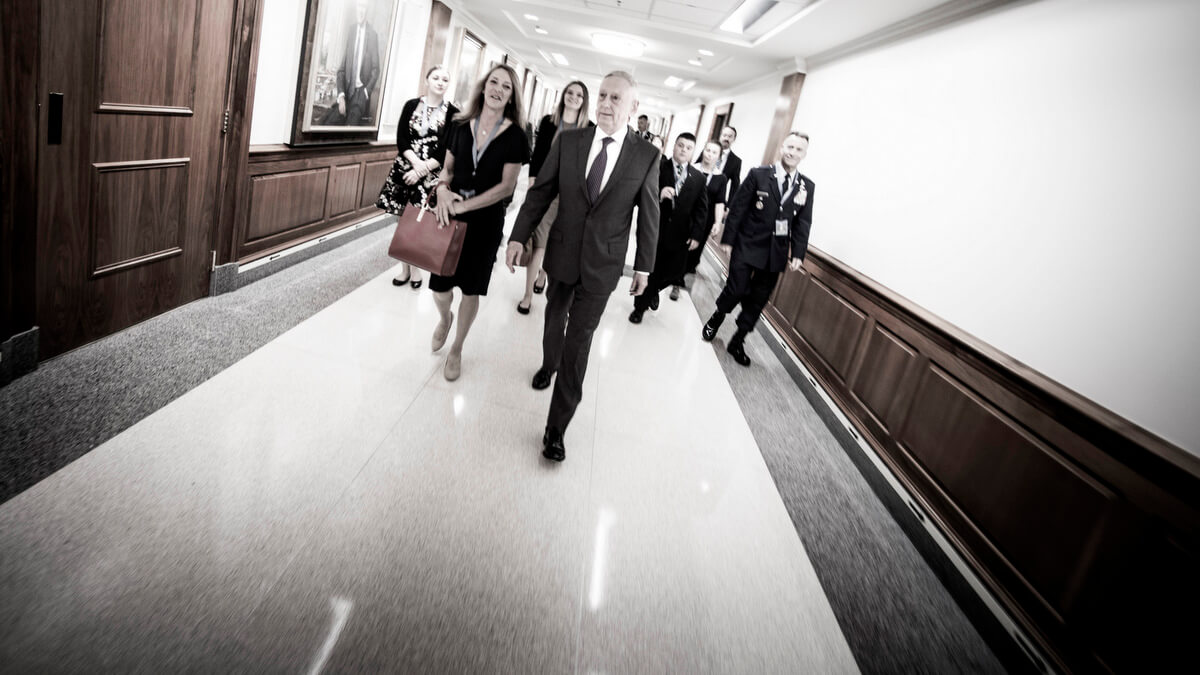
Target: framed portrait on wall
470,60
343,67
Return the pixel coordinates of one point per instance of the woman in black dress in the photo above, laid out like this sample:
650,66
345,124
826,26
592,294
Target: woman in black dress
716,183
571,113
421,140
484,153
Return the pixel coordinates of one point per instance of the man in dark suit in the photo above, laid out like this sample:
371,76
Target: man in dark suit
682,209
766,231
643,127
359,74
729,163
599,175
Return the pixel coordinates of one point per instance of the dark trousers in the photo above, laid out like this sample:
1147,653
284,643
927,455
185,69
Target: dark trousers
572,314
749,286
655,284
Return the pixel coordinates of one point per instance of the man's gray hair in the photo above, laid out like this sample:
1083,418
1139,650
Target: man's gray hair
624,76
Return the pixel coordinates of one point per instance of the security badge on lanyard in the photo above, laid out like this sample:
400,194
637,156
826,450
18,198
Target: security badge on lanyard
781,224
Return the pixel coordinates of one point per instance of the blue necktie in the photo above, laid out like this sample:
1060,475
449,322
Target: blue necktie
596,174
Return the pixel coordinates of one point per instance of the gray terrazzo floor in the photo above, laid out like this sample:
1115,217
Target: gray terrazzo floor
896,615
75,402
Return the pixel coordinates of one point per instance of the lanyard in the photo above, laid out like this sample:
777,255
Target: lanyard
477,152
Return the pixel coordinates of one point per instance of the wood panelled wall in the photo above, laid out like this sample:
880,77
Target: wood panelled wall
291,195
1085,526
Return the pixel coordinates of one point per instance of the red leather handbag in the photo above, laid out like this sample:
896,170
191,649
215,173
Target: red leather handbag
420,241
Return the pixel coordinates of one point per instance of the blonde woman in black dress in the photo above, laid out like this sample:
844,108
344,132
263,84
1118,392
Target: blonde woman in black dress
484,153
571,113
421,140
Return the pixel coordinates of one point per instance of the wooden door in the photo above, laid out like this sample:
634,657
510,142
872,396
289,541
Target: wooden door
128,179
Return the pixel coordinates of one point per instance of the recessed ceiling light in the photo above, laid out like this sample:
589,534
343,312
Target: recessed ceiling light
696,62
562,60
618,45
531,17
673,81
540,31
746,14
687,85
705,52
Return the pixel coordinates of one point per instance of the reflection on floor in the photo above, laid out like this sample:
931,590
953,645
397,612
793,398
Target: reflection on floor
332,502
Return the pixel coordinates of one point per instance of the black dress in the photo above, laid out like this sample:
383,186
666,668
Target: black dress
485,227
421,129
716,184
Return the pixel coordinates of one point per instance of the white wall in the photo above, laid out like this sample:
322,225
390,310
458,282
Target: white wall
1031,177
685,120
405,78
753,113
279,66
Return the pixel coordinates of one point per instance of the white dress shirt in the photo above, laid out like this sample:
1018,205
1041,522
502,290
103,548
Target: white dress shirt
614,151
779,174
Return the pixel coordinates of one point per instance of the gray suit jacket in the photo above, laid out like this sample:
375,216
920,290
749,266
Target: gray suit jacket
587,242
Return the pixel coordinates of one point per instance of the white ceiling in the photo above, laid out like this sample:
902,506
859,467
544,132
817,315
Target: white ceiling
674,31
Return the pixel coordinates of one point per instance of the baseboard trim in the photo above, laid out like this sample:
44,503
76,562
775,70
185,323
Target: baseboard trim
18,355
232,276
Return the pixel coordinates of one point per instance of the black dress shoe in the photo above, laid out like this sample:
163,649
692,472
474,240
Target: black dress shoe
397,281
675,293
538,289
654,302
522,309
541,379
711,326
416,283
738,351
553,448
636,315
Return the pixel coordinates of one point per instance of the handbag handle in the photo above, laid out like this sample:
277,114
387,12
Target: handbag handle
425,207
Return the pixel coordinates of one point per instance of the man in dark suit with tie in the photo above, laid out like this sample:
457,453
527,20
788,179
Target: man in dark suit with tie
766,232
599,175
643,127
359,74
682,210
729,163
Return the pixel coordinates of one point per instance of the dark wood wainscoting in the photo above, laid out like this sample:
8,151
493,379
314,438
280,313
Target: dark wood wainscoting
292,195
1085,526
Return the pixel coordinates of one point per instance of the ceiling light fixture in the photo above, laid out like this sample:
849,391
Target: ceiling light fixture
705,52
562,60
531,17
696,62
673,81
618,45
687,85
746,14
540,31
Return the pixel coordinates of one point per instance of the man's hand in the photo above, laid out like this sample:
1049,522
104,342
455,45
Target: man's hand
693,244
342,103
513,254
794,264
727,248
640,282
531,179
667,193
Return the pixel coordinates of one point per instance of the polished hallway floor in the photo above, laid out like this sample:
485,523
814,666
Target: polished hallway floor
331,502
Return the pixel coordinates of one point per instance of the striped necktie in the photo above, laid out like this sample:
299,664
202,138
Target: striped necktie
595,175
